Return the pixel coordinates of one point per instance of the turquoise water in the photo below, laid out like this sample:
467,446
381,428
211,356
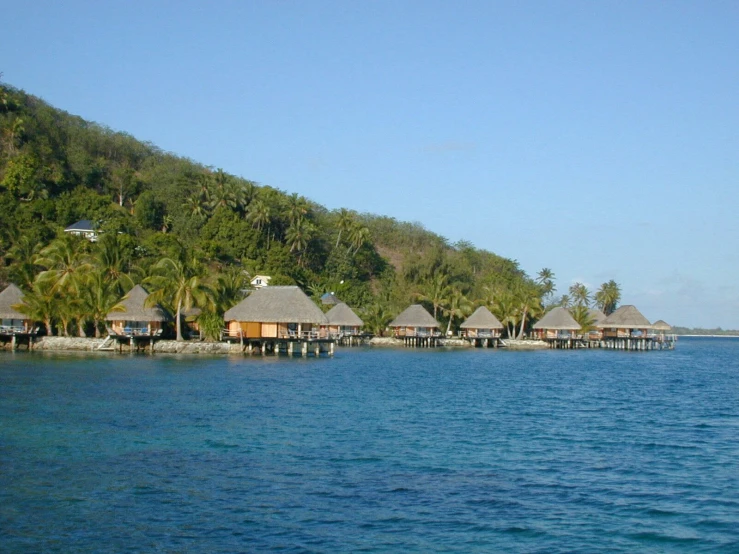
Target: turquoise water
373,451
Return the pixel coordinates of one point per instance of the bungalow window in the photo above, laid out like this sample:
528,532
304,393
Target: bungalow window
136,327
12,324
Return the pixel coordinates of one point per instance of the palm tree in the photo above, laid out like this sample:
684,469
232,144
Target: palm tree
196,206
180,285
259,215
435,291
245,193
40,303
344,223
224,192
581,314
358,235
545,279
99,296
580,294
298,235
506,307
297,208
529,299
23,256
565,301
457,306
111,260
229,288
64,262
608,297
376,317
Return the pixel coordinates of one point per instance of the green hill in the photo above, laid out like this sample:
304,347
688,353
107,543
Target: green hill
57,168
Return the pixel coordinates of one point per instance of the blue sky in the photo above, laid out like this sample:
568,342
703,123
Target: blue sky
599,139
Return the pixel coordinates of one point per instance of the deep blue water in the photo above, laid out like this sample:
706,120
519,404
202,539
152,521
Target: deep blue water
373,451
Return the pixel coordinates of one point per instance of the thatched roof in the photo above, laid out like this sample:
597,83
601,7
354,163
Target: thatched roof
661,325
596,315
626,317
341,314
277,305
11,296
415,316
135,308
482,318
558,319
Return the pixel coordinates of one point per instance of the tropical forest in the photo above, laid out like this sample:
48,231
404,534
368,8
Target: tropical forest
194,236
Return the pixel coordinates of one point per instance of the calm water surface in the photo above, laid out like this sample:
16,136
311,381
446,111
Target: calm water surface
373,451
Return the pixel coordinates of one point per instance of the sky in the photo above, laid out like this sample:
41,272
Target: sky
597,139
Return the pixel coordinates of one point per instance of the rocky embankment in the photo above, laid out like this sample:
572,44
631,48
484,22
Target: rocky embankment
514,344
77,344
167,346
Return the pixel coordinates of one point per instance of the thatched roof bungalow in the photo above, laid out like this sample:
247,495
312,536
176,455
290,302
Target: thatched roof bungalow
11,320
136,318
557,323
661,325
275,312
414,321
481,324
626,321
342,321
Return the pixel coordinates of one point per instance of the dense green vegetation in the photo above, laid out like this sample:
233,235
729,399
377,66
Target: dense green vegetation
194,235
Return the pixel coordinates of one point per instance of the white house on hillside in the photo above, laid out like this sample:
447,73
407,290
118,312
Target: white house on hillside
260,281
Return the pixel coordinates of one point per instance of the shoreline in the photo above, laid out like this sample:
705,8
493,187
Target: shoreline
90,344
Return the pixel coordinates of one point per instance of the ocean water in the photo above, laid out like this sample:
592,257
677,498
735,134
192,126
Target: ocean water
373,451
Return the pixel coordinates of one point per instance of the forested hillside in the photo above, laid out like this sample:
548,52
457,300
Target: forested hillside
194,235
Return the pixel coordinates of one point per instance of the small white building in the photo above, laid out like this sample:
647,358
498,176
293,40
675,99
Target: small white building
259,281
83,228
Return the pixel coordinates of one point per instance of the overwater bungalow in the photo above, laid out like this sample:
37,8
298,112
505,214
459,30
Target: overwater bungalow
416,327
15,327
277,318
625,322
482,328
558,328
136,324
661,332
343,325
628,329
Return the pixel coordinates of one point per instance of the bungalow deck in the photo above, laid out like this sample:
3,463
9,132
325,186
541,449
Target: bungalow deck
421,340
645,343
135,341
17,337
291,344
483,341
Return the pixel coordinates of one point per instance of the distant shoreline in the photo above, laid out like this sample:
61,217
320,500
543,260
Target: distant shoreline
712,336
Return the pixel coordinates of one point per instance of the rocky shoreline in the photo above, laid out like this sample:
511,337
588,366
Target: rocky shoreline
82,344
